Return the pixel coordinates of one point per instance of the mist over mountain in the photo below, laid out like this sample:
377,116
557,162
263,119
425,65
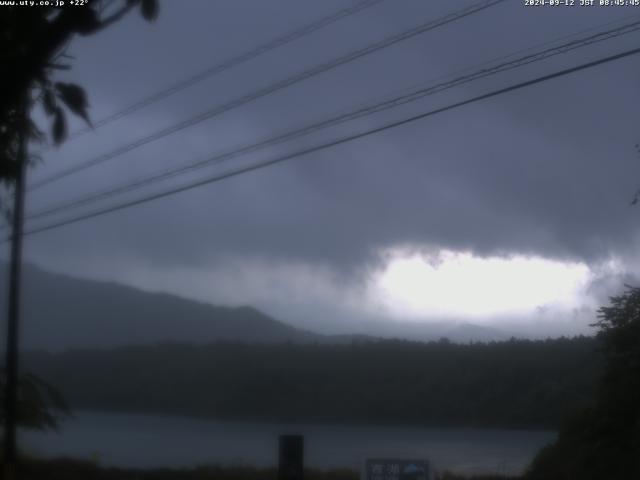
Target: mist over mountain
459,332
60,312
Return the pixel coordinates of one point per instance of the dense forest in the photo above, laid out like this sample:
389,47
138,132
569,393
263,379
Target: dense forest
603,440
513,384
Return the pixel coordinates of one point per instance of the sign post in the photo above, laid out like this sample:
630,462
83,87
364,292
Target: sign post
291,464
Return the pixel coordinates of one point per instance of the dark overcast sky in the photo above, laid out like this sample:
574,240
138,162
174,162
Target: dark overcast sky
546,172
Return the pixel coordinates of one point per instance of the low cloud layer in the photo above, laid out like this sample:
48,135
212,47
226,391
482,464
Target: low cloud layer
547,172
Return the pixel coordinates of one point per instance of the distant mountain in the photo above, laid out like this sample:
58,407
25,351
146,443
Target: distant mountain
427,331
467,332
61,312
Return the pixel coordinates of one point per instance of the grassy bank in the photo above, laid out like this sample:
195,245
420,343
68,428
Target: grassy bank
68,469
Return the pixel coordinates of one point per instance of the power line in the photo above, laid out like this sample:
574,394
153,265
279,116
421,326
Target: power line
229,63
267,163
359,113
550,42
356,54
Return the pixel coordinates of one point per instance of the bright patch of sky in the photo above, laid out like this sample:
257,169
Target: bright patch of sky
458,284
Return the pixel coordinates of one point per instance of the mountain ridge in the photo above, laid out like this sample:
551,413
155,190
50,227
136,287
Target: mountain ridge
56,309
61,312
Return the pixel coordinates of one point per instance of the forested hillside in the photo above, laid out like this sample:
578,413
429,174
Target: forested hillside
63,312
519,383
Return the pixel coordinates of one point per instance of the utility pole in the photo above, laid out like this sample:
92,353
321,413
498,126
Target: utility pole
13,317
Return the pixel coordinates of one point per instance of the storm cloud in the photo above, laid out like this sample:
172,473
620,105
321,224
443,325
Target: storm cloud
543,172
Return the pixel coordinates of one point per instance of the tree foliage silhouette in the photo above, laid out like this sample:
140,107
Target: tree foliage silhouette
40,405
604,441
32,44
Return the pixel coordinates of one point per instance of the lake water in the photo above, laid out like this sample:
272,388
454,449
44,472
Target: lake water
132,440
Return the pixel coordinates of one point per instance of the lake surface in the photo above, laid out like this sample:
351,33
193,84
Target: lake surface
133,440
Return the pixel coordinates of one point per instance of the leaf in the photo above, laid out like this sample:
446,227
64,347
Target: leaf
49,102
75,98
34,132
58,66
87,21
149,9
59,128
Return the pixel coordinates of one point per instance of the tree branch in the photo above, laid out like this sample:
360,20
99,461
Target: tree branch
115,16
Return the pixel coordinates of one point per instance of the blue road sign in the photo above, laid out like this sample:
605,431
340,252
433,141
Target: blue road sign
396,469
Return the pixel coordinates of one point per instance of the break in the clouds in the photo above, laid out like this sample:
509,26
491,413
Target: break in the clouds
516,208
459,284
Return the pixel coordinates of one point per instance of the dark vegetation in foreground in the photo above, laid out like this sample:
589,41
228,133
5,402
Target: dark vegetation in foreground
600,440
66,469
603,441
513,384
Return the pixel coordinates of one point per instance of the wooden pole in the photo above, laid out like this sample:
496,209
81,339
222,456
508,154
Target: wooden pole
11,361
291,464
